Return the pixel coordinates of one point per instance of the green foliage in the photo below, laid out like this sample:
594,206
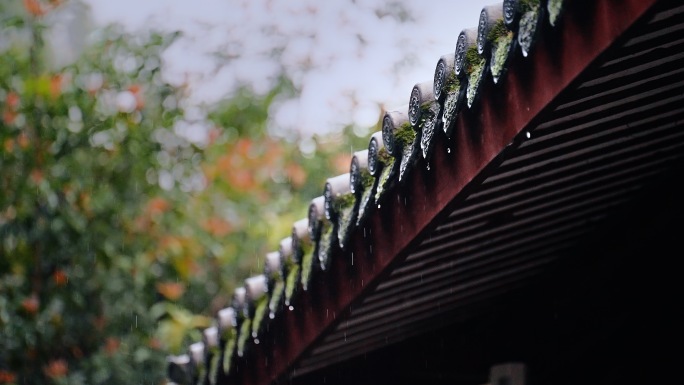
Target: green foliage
77,273
119,236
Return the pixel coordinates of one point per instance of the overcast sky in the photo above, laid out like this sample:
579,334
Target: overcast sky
357,55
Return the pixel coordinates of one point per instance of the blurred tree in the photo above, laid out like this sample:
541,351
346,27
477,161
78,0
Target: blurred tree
77,147
123,230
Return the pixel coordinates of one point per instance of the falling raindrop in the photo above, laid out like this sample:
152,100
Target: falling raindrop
449,150
271,315
291,307
256,341
352,259
378,206
528,134
428,166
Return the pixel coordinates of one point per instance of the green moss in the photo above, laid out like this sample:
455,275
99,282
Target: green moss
229,350
404,135
324,244
345,220
428,110
259,315
498,29
384,179
501,49
527,29
201,371
343,201
384,157
407,159
307,266
304,246
367,180
245,332
291,282
213,367
452,83
428,131
364,201
528,5
449,114
554,7
474,81
275,275
472,59
276,296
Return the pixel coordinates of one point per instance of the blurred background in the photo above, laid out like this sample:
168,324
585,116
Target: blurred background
152,153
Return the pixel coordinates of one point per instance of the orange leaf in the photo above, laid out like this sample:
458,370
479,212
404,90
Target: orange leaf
154,343
34,8
56,368
60,277
217,227
243,146
76,352
100,322
56,85
8,145
7,377
23,140
9,116
296,174
171,290
31,304
241,179
223,164
111,345
36,176
157,205
214,134
136,90
12,100
341,163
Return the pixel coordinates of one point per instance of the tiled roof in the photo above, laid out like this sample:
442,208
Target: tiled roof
545,117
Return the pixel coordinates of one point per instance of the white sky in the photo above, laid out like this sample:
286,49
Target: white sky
356,61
